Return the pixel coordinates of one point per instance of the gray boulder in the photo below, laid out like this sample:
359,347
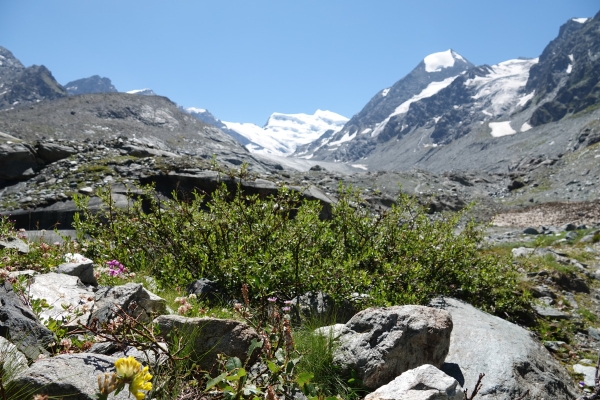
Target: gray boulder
382,343
72,376
18,161
20,325
51,152
82,270
211,336
66,296
511,358
15,243
131,298
423,383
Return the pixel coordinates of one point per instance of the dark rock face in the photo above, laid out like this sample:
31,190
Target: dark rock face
18,161
20,325
566,65
10,68
51,152
93,84
33,84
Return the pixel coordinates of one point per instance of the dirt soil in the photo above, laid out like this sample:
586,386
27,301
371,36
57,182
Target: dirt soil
551,214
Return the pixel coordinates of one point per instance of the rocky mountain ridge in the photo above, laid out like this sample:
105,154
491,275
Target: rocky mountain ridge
482,112
93,84
20,85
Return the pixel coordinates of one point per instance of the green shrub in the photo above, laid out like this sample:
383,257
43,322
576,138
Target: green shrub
279,246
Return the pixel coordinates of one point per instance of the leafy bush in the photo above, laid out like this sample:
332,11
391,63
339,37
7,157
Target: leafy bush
279,246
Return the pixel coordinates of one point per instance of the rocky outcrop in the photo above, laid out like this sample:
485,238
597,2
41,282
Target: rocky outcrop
511,358
20,325
50,152
18,161
382,343
422,383
130,298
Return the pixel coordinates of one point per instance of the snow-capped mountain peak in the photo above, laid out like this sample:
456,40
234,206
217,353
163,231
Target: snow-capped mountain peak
437,61
283,133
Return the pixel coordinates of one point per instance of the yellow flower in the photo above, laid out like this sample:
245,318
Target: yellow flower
127,368
141,381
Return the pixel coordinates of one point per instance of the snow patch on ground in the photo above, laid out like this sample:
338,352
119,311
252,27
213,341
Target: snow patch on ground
385,92
436,61
283,133
580,20
500,87
569,68
501,129
525,127
361,166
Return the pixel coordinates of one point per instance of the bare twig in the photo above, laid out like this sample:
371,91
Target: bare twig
476,389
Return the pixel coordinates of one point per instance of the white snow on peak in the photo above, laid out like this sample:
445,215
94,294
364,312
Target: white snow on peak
569,68
346,138
282,133
501,129
580,20
524,99
499,90
195,110
385,92
147,92
444,59
429,91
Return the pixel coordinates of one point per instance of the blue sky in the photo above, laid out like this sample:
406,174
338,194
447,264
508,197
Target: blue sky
243,60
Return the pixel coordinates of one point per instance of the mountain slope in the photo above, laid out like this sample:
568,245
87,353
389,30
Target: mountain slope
206,117
151,120
431,75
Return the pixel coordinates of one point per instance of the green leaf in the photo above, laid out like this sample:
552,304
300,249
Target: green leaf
272,367
239,374
254,345
233,363
304,377
213,382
